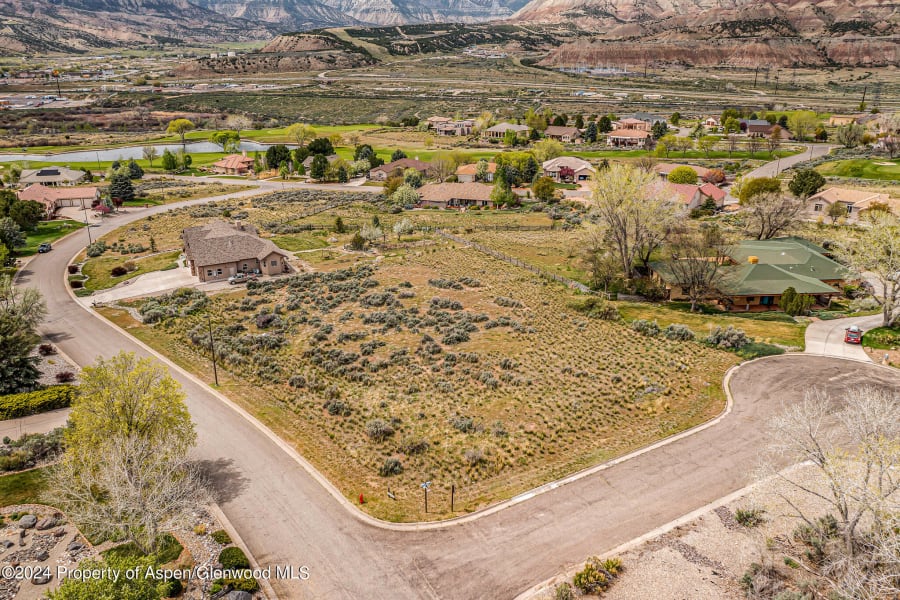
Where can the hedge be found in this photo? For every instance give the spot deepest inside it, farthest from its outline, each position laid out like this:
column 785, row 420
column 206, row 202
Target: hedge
column 14, row 406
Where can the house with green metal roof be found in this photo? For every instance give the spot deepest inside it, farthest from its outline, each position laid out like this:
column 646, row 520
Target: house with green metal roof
column 758, row 272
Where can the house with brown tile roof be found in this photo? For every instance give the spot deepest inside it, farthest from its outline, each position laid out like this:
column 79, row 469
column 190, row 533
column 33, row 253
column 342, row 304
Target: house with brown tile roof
column 627, row 138
column 566, row 135
column 233, row 164
column 384, row 171
column 455, row 195
column 466, row 173
column 54, row 198
column 855, row 201
column 218, row 250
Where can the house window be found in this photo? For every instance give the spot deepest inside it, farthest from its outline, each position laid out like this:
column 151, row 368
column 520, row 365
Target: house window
column 209, row 272
column 218, row 272
column 245, row 266
column 767, row 300
column 849, row 209
column 817, row 208
column 274, row 263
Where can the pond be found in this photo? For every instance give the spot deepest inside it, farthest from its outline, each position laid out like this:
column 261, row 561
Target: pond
column 127, row 152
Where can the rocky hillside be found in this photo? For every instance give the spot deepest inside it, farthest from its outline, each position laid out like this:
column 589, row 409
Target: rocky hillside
column 75, row 26
column 724, row 32
column 286, row 15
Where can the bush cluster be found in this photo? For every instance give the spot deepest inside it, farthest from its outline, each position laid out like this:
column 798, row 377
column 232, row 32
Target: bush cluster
column 14, row 406
column 30, row 450
column 645, row 327
column 391, row 466
column 728, row 338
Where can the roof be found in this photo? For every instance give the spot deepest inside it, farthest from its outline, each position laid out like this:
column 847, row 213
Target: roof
column 572, row 162
column 234, row 161
column 713, row 191
column 41, row 193
column 631, row 121
column 51, row 175
column 307, row 162
column 404, row 163
column 504, row 127
column 752, row 279
column 666, row 168
column 471, row 168
column 794, row 255
column 437, row 119
column 628, row 133
column 756, row 122
column 858, row 198
column 684, row 191
column 562, row 131
column 219, row 242
column 647, row 117
column 445, row 192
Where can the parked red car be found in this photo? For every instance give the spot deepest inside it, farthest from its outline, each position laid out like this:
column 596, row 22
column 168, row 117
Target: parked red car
column 853, row 335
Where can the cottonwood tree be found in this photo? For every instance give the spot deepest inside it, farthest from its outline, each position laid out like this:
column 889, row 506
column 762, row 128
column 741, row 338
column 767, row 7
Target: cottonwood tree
column 850, row 135
column 546, row 149
column 770, row 214
column 405, row 195
column 126, row 468
column 238, row 123
column 180, row 127
column 696, row 265
column 21, row 310
column 854, row 448
column 634, row 211
column 301, row 133
column 229, row 140
column 706, row 143
column 876, row 252
column 801, row 123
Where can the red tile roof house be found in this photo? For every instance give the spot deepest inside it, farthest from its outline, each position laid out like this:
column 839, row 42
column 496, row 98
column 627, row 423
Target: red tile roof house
column 628, row 138
column 566, row 135
column 54, row 198
column 455, row 195
column 466, row 173
column 694, row 196
column 233, row 164
column 384, row 171
column 218, row 250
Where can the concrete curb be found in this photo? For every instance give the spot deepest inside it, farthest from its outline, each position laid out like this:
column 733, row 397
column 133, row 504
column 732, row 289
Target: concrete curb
column 238, row 541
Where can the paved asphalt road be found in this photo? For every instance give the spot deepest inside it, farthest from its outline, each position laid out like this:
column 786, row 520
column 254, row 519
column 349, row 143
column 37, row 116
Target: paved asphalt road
column 771, row 169
column 286, row 517
column 827, row 337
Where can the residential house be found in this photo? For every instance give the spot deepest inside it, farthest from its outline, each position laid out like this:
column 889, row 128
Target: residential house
column 840, row 120
column 648, row 118
column 627, row 138
column 384, row 171
column 499, row 131
column 757, row 272
column 693, row 196
column 455, row 195
column 466, row 173
column 568, row 169
column 234, row 164
column 54, row 198
column 711, row 123
column 218, row 250
column 432, row 121
column 665, row 168
column 634, row 124
column 51, row 176
column 855, row 201
column 756, row 127
column 307, row 162
column 566, row 135
column 454, row 128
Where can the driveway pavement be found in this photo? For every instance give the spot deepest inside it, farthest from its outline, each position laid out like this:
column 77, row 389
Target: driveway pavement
column 773, row 168
column 143, row 285
column 827, row 337
column 41, row 423
column 287, row 517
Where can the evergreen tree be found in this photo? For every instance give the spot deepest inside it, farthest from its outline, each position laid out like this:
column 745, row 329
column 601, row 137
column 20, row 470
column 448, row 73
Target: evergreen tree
column 169, row 163
column 659, row 129
column 579, row 122
column 20, row 312
column 342, row 174
column 502, row 192
column 398, row 155
column 604, row 124
column 134, row 170
column 120, row 188
column 318, row 167
column 321, row 146
column 590, row 134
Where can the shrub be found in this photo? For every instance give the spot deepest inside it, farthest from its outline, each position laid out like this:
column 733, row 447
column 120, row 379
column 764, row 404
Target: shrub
column 391, row 466
column 590, row 580
column 171, row 588
column 46, row 349
column 221, row 537
column 73, row 269
column 130, row 266
column 337, row 408
column 13, row 406
column 411, row 447
column 563, row 591
column 761, row 581
column 118, row 271
column 233, row 557
column 645, row 327
column 679, row 332
column 749, row 517
column 241, row 584
column 597, row 308
column 76, row 285
column 474, row 456
column 96, row 249
column 463, row 424
column 507, row 302
column 728, row 338
column 65, row 377
column 379, row 430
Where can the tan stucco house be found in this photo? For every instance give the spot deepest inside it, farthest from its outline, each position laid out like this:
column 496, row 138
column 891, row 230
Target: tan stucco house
column 218, row 250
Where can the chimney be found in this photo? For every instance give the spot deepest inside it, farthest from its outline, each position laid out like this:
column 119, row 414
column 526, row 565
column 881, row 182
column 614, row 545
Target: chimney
column 244, row 154
column 753, row 260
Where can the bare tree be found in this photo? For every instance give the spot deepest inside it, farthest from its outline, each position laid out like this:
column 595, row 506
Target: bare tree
column 733, row 142
column 603, row 265
column 770, row 214
column 695, row 264
column 876, row 251
column 238, row 123
column 150, row 154
column 773, row 141
column 753, row 145
column 891, row 145
column 855, row 454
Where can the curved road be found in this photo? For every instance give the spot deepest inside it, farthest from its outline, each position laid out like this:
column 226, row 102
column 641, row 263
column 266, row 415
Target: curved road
column 287, row 518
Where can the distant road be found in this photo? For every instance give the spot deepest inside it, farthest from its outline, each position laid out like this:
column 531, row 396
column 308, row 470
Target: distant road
column 773, row 168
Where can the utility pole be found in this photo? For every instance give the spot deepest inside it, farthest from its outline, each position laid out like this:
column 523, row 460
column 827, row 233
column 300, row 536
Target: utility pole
column 452, row 495
column 862, row 104
column 755, row 76
column 212, row 347
column 86, row 224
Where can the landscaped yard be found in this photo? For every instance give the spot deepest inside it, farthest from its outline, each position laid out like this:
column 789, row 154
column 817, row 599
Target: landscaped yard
column 22, row 488
column 875, row 168
column 98, row 270
column 882, row 338
column 438, row 363
column 47, row 231
column 296, row 242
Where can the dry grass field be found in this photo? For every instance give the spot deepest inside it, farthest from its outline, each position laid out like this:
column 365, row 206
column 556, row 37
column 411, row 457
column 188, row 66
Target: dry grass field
column 437, row 363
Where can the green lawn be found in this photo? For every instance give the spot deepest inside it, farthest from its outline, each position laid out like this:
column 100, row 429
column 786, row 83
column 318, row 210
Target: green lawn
column 98, row 269
column 882, row 338
column 22, row 488
column 47, row 231
column 879, row 168
column 296, row 242
column 773, row 332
